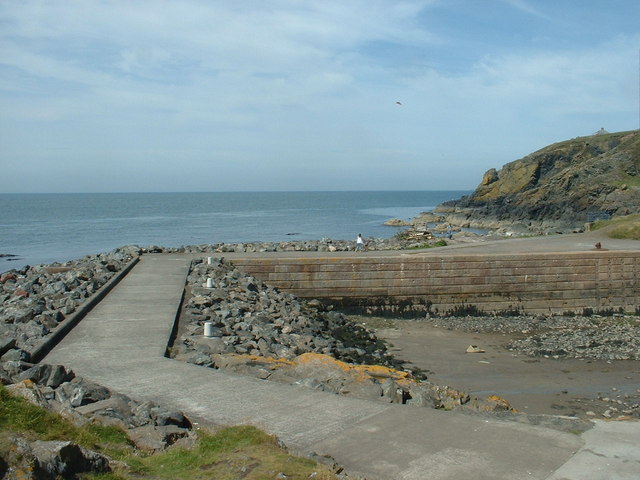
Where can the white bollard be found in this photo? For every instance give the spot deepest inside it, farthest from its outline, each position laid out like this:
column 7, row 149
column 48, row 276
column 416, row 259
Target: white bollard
column 210, row 260
column 209, row 282
column 208, row 329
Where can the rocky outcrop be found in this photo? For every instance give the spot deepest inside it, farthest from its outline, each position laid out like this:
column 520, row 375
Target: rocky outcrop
column 396, row 222
column 557, row 188
column 49, row 460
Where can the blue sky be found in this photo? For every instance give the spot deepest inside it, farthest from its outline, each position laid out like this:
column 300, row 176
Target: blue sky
column 100, row 96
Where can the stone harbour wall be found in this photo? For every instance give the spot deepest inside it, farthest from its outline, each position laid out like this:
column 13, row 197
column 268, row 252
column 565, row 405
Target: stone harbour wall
column 414, row 283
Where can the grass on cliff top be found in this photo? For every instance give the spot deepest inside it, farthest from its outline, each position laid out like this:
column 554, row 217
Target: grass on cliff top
column 235, row 452
column 627, row 227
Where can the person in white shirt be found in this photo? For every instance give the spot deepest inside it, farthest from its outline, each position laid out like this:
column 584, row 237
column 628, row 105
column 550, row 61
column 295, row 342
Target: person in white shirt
column 359, row 243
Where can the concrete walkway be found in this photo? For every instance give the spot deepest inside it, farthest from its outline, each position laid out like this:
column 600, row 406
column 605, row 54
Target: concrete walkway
column 120, row 344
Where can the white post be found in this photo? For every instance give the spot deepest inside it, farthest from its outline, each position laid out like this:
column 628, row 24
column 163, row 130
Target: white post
column 210, row 260
column 208, row 329
column 209, row 282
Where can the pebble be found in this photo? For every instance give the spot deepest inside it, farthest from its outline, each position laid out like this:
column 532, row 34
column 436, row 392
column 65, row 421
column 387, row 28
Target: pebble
column 552, row 336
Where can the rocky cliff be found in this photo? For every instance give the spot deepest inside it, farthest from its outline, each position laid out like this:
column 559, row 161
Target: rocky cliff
column 557, row 188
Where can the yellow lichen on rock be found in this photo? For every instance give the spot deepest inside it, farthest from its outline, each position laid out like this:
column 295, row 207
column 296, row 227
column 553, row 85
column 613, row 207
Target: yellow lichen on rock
column 360, row 373
column 378, row 372
column 495, row 403
column 512, row 178
column 230, row 360
column 306, row 361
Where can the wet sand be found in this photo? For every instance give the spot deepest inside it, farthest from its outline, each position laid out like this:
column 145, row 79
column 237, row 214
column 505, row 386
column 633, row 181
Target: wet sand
column 583, row 388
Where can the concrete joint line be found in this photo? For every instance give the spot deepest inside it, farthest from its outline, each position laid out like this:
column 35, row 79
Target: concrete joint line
column 47, row 343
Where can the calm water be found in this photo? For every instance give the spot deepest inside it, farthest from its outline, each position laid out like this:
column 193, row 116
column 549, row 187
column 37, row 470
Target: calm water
column 43, row 228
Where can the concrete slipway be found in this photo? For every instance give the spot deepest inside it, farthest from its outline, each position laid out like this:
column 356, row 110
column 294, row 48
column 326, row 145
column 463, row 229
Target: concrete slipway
column 121, row 344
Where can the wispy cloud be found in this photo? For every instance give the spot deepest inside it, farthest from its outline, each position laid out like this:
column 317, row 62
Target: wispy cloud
column 526, row 7
column 306, row 86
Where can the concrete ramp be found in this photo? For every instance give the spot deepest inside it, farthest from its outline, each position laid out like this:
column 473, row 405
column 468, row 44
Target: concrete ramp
column 120, row 344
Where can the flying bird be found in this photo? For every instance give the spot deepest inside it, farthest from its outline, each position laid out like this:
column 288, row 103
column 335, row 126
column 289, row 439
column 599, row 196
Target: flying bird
column 398, row 103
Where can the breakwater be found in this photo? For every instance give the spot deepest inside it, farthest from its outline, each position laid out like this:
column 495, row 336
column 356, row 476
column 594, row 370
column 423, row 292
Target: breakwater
column 415, row 283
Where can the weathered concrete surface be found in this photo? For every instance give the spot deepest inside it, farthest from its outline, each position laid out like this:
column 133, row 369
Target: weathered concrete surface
column 72, row 320
column 611, row 452
column 121, row 342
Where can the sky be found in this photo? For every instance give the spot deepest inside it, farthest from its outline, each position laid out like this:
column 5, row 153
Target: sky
column 281, row 95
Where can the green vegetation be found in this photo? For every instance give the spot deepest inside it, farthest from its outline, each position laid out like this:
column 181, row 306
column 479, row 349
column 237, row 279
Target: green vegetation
column 628, row 180
column 235, row 452
column 439, row 243
column 627, row 227
column 402, row 235
column 19, row 416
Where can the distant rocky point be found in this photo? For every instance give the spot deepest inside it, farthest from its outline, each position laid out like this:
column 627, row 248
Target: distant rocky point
column 559, row 188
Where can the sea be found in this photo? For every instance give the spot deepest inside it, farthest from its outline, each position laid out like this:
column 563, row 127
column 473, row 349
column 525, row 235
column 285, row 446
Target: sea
column 46, row 228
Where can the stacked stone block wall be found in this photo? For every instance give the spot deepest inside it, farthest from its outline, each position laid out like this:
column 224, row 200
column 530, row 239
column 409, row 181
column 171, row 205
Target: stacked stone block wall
column 405, row 283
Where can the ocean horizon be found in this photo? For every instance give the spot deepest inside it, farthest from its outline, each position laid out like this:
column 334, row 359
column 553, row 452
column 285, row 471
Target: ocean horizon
column 42, row 228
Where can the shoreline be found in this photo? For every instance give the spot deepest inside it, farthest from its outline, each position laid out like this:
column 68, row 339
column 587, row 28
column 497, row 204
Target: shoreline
column 525, row 326
column 428, row 229
column 17, row 262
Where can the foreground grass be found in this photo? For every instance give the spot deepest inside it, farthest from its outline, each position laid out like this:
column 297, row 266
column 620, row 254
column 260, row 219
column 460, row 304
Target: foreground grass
column 19, row 416
column 627, row 227
column 236, row 452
